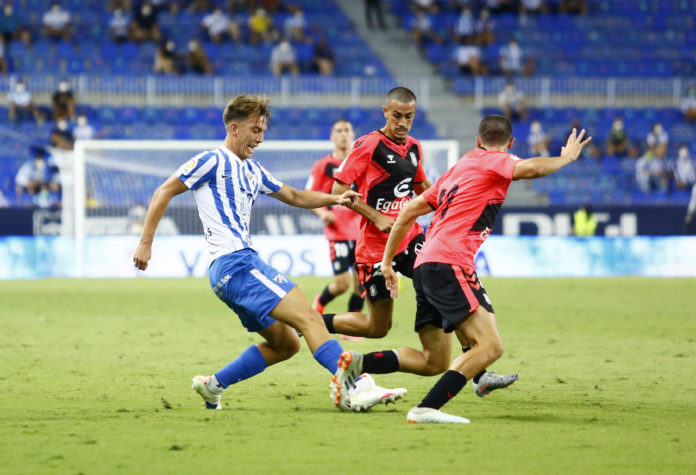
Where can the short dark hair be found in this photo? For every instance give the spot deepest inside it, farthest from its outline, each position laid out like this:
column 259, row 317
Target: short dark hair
column 400, row 94
column 339, row 120
column 244, row 106
column 495, row 130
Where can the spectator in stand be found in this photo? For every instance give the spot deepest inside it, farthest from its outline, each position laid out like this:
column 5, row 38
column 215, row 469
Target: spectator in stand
column 83, row 131
column 573, row 7
column 512, row 103
column 113, row 5
column 468, row 59
column 165, row 58
column 294, row 26
column 63, row 102
column 513, row 60
column 284, row 59
column 3, row 61
column 144, row 25
column 538, row 140
column 56, row 23
column 219, row 26
column 422, row 29
column 617, row 141
column 118, row 26
column 533, row 7
column 21, row 104
column 484, row 29
column 33, row 174
column 688, row 105
column 501, row 6
column 45, row 198
column 196, row 60
column 684, row 169
column 658, row 140
column 374, row 7
column 324, row 59
column 425, row 6
column 651, row 173
column 11, row 26
column 261, row 26
column 61, row 137
column 463, row 31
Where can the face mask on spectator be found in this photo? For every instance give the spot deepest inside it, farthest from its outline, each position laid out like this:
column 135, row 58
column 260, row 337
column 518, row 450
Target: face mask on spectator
column 82, row 121
column 146, row 10
column 20, row 87
column 535, row 128
column 62, row 125
column 8, row 10
column 63, row 86
column 683, row 153
column 658, row 129
column 618, row 125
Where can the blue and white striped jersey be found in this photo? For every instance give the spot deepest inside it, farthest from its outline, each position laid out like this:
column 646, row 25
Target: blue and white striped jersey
column 225, row 188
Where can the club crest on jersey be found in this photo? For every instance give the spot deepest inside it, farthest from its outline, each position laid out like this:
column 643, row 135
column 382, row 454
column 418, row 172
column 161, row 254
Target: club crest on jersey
column 414, row 159
column 252, row 180
column 190, row 165
column 280, row 279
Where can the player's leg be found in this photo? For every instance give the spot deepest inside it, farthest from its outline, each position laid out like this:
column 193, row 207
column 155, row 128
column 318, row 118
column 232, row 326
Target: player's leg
column 479, row 330
column 356, row 301
column 339, row 284
column 375, row 324
column 342, row 259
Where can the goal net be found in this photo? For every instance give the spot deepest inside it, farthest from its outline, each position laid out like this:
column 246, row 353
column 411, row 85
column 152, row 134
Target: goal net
column 114, row 181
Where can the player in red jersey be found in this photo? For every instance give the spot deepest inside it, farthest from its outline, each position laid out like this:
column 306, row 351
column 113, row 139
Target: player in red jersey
column 466, row 200
column 341, row 225
column 386, row 167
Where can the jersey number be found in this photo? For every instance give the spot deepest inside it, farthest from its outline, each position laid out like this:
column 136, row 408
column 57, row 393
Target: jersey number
column 448, row 196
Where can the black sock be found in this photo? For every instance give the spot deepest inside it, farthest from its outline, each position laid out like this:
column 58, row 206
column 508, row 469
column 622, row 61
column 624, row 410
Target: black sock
column 381, row 362
column 355, row 304
column 326, row 296
column 476, row 378
column 328, row 321
column 445, row 389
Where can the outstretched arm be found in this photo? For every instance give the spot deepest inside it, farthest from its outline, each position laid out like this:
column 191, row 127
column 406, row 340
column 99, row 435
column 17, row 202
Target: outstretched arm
column 541, row 166
column 160, row 200
column 314, row 199
column 407, row 217
column 384, row 223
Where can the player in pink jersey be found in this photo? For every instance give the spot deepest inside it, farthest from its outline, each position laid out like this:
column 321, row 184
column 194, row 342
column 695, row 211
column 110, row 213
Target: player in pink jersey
column 341, row 225
column 466, row 200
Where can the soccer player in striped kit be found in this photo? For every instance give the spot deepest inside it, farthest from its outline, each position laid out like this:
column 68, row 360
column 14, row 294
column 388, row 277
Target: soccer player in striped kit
column 225, row 183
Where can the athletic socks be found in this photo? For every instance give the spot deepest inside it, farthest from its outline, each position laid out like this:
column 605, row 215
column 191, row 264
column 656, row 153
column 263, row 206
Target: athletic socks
column 483, row 371
column 248, row 364
column 355, row 303
column 381, row 362
column 445, row 389
column 326, row 296
column 328, row 355
column 328, row 321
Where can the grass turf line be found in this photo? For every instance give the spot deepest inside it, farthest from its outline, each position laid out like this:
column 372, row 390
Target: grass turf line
column 96, row 379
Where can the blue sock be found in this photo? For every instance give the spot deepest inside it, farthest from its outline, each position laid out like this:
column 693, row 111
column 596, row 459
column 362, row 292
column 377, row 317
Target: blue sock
column 328, row 355
column 248, row 364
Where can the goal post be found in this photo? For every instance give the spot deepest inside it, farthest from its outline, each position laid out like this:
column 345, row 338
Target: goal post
column 114, row 181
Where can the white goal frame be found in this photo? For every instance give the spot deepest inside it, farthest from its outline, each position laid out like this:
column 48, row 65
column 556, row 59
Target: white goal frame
column 195, row 146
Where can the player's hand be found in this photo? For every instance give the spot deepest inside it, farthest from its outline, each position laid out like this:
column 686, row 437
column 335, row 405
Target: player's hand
column 327, row 217
column 574, row 145
column 391, row 280
column 348, row 198
column 141, row 256
column 384, row 223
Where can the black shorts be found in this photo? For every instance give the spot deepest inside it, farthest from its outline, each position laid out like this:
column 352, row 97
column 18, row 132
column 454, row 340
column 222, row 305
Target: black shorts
column 446, row 295
column 342, row 256
column 371, row 275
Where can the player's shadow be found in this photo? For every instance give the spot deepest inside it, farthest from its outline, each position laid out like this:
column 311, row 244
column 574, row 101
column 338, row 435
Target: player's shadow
column 528, row 418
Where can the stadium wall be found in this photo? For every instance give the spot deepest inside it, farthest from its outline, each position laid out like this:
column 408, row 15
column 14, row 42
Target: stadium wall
column 503, row 256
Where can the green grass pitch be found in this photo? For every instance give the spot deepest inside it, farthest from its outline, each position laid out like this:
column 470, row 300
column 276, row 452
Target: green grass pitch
column 95, row 378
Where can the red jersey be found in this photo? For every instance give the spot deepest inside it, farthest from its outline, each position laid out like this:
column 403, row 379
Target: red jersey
column 385, row 173
column 466, row 200
column 346, row 226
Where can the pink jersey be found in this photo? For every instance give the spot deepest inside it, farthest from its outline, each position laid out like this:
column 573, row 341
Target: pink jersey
column 466, row 200
column 346, row 226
